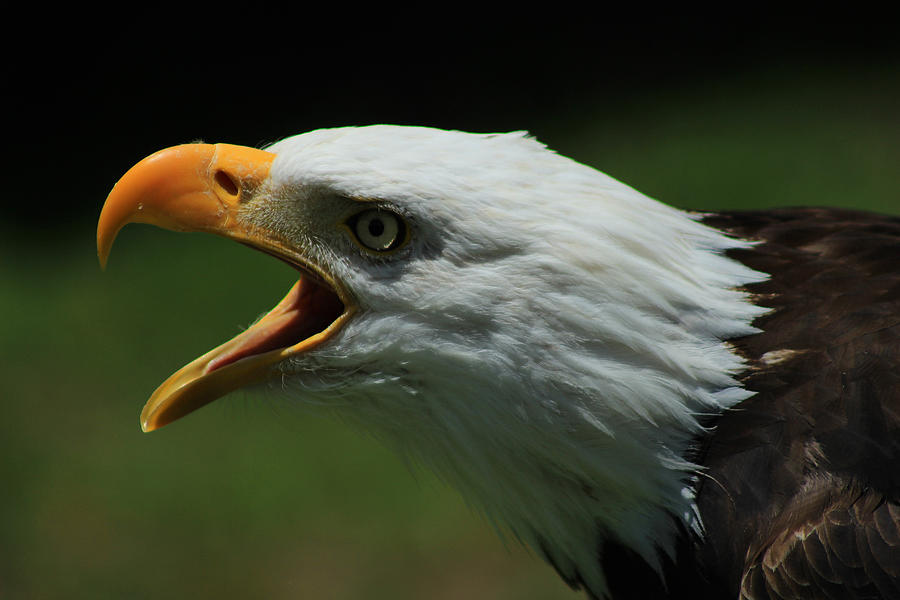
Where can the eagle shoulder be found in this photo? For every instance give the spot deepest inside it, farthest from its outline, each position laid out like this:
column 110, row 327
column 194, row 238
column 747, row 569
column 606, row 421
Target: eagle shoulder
column 802, row 481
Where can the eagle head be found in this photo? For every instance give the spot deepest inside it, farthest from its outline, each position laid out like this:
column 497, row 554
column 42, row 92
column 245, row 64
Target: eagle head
column 540, row 335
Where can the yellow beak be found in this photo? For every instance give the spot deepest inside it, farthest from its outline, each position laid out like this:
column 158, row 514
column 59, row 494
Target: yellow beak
column 193, row 187
column 201, row 187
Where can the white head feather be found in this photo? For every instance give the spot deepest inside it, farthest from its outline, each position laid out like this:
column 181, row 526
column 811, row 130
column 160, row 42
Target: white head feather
column 545, row 342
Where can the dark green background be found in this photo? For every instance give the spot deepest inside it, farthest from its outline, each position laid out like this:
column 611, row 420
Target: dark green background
column 253, row 497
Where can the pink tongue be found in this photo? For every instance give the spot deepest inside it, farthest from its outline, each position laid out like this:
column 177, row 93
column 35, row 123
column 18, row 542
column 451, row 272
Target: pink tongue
column 306, row 310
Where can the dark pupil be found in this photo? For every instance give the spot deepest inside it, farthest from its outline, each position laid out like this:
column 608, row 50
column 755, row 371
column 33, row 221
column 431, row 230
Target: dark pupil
column 376, row 227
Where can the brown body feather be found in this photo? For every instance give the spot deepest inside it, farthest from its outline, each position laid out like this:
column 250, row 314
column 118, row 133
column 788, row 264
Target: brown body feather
column 800, row 497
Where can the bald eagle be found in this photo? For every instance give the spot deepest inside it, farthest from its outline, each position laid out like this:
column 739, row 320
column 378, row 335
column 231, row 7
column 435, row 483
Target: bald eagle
column 661, row 404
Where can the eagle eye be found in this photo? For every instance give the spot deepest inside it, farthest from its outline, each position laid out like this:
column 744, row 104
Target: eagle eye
column 377, row 229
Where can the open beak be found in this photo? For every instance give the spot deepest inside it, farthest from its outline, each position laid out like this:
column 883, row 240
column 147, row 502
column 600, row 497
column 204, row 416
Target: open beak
column 202, row 187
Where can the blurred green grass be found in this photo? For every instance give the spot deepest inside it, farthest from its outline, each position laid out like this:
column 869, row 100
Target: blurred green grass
column 253, row 497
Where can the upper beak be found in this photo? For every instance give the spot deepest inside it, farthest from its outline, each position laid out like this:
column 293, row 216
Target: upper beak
column 193, row 187
column 201, row 187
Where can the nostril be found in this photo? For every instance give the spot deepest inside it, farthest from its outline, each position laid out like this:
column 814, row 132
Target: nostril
column 227, row 183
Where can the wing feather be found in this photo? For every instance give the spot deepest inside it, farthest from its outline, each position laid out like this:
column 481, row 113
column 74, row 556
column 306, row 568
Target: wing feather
column 843, row 556
column 807, row 501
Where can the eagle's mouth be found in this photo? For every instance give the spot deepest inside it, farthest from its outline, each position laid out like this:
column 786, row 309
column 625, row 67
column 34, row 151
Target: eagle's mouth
column 203, row 187
column 308, row 309
column 302, row 319
column 314, row 309
column 311, row 313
